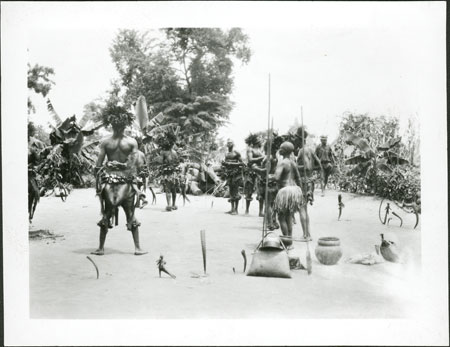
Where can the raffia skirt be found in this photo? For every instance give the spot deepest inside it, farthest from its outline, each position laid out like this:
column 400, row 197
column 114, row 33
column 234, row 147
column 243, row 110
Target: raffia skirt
column 289, row 200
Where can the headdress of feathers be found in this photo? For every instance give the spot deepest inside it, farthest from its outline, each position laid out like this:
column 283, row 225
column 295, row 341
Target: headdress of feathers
column 299, row 132
column 253, row 140
column 276, row 142
column 166, row 140
column 117, row 116
column 296, row 138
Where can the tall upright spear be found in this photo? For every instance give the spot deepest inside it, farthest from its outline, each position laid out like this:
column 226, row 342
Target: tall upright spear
column 269, row 148
column 308, row 253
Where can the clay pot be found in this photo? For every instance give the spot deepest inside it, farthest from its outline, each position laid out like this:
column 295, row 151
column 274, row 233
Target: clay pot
column 328, row 250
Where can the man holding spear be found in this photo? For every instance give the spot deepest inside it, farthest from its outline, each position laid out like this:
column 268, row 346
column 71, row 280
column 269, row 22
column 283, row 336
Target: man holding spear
column 270, row 162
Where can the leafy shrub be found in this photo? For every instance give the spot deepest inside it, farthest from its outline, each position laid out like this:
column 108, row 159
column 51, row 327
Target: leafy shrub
column 403, row 184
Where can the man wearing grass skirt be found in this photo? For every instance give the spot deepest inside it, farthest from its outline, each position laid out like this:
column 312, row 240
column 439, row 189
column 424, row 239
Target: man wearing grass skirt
column 290, row 197
column 232, row 168
column 169, row 170
column 254, row 156
column 327, row 160
column 271, row 184
column 307, row 161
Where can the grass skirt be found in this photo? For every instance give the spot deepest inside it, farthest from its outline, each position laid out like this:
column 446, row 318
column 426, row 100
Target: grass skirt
column 288, row 200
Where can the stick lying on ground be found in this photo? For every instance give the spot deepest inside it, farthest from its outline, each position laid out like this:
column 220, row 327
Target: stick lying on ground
column 245, row 259
column 308, row 259
column 160, row 262
column 96, row 268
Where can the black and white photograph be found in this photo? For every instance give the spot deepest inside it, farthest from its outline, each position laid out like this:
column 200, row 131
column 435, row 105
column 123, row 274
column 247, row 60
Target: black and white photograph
column 224, row 173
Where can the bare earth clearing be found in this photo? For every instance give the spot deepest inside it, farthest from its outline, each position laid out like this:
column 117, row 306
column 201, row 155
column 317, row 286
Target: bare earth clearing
column 63, row 282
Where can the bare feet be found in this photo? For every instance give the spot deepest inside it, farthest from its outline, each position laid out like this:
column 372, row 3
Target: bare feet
column 174, row 207
column 98, row 252
column 139, row 252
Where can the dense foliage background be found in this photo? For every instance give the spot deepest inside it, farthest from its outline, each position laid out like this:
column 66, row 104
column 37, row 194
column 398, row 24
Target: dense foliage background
column 381, row 163
column 186, row 75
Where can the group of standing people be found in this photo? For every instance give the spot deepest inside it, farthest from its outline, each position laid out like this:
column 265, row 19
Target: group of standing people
column 281, row 174
column 289, row 183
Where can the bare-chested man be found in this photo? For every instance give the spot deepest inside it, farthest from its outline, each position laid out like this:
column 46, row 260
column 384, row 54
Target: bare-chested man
column 272, row 186
column 290, row 197
column 306, row 168
column 233, row 171
column 170, row 170
column 143, row 173
column 254, row 156
column 327, row 159
column 34, row 148
column 117, row 184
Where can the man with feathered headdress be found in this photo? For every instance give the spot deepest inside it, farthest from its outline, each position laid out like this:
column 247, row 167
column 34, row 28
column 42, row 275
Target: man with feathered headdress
column 117, row 179
column 169, row 170
column 254, row 156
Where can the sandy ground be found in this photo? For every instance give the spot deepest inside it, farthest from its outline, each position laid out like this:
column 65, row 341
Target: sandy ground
column 63, row 282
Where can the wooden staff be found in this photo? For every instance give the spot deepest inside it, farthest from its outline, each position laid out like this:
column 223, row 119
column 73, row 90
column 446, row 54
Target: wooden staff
column 269, row 148
column 203, row 240
column 308, row 253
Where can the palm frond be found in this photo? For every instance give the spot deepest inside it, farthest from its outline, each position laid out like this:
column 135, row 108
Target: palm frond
column 157, row 120
column 93, row 127
column 389, row 144
column 83, row 121
column 53, row 113
column 359, row 142
column 355, row 160
column 161, row 128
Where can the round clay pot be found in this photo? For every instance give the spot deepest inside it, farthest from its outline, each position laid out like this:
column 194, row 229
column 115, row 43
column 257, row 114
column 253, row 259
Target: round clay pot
column 328, row 250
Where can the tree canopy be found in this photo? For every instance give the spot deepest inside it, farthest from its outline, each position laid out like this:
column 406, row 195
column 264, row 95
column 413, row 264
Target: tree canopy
column 39, row 81
column 185, row 73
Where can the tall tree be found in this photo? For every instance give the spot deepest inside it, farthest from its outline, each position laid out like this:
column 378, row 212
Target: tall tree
column 185, row 73
column 39, row 81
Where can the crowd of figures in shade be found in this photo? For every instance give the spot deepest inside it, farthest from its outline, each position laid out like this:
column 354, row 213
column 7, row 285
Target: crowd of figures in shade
column 293, row 170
